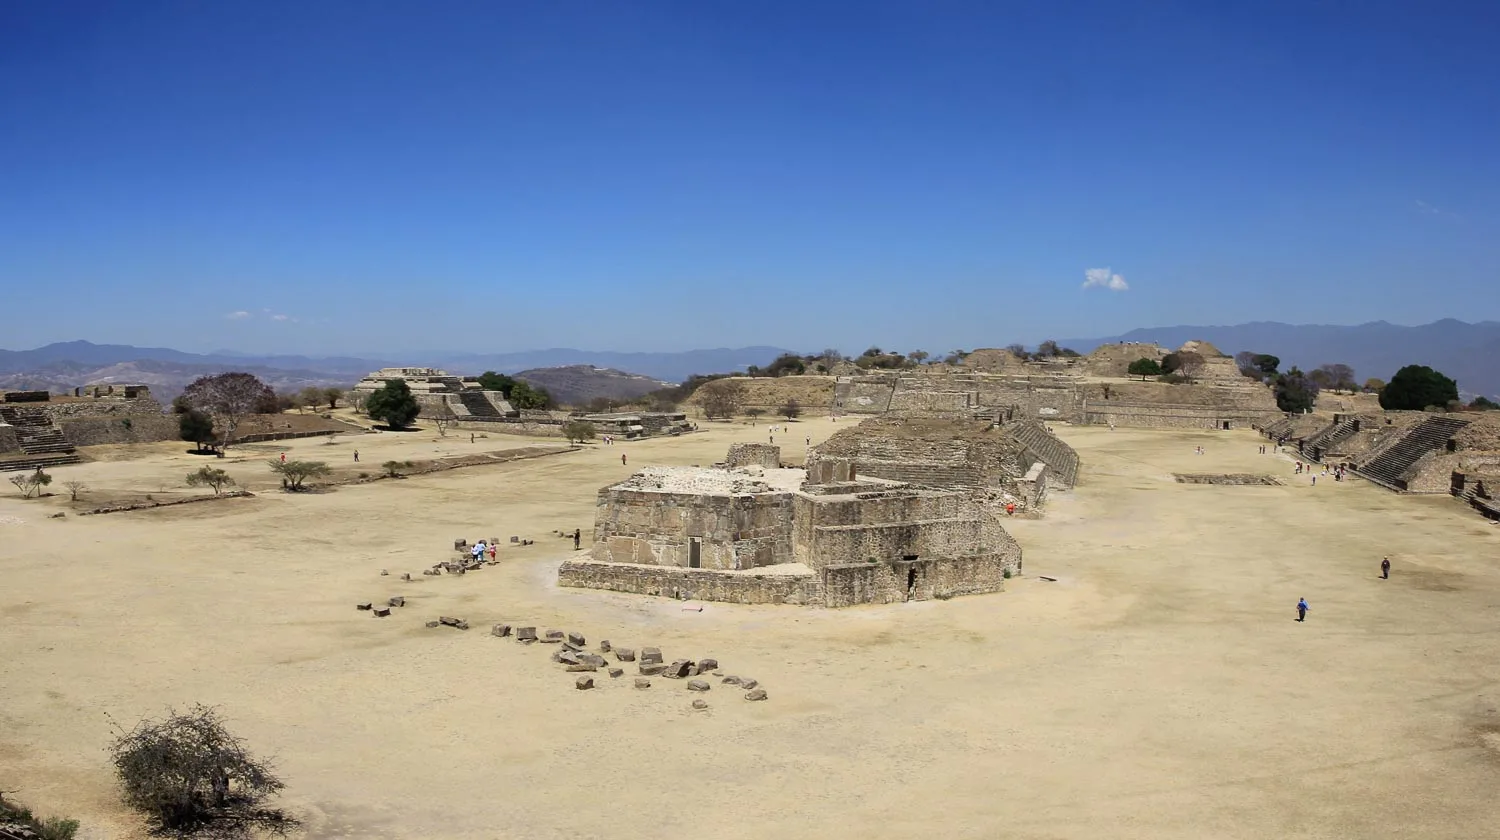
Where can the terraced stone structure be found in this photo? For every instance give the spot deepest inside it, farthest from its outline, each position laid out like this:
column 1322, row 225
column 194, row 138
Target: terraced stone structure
column 1018, row 460
column 779, row 535
column 630, row 425
column 1090, row 390
column 39, row 429
column 440, row 393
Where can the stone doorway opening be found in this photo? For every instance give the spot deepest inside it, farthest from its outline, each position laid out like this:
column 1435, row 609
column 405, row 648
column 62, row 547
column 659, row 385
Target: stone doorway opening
column 695, row 553
column 911, row 576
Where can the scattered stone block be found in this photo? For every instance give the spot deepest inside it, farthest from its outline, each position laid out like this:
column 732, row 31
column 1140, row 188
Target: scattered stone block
column 642, row 683
column 593, row 659
column 731, row 680
column 381, row 612
column 700, row 704
column 449, row 620
column 697, row 685
column 566, row 657
column 718, row 673
column 515, row 539
column 576, row 639
column 624, row 654
column 406, row 575
column 651, row 654
column 616, row 672
column 363, row 605
column 383, row 572
column 501, row 630
column 651, row 669
column 678, row 669
column 553, row 637
column 572, row 647
column 749, row 684
column 581, row 667
column 525, row 634
column 460, row 545
column 757, row 694
column 396, row 601
column 584, row 683
column 692, row 671
column 604, row 646
column 462, row 625
column 434, row 623
column 706, row 665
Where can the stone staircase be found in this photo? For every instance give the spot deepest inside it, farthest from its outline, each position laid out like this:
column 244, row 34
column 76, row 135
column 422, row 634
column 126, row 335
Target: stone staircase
column 1314, row 447
column 37, row 436
column 1061, row 460
column 924, row 474
column 1275, row 430
column 1389, row 466
column 479, row 407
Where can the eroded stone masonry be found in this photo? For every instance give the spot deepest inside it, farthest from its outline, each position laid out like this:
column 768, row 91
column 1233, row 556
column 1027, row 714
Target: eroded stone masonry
column 751, row 531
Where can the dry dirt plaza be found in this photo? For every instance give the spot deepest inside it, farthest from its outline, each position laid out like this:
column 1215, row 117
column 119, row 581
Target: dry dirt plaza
column 1158, row 688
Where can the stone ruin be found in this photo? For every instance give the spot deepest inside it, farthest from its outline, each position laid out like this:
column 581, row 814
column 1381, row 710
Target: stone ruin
column 757, row 534
column 41, row 429
column 1227, row 479
column 1093, row 390
column 1015, row 462
column 439, row 393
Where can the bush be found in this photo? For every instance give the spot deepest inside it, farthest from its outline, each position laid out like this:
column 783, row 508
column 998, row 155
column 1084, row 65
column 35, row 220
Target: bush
column 393, row 468
column 32, row 483
column 74, row 488
column 210, row 477
column 295, row 473
column 191, row 776
column 52, row 828
column 394, row 404
column 1415, row 387
column 578, row 430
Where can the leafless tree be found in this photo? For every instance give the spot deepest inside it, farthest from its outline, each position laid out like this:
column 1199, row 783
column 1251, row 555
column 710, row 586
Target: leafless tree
column 228, row 398
column 74, row 488
column 721, row 398
column 1190, row 364
column 443, row 418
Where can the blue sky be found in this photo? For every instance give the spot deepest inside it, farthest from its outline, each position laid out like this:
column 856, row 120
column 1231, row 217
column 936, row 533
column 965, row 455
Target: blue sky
column 374, row 176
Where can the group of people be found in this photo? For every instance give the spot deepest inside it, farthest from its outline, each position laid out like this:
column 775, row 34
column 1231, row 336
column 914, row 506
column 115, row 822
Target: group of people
column 1385, row 574
column 479, row 551
column 1337, row 471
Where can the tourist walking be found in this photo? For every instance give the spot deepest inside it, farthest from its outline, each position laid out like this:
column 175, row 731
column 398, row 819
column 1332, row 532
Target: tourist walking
column 1302, row 609
column 493, row 548
column 1385, row 569
column 356, row 456
column 622, row 459
column 283, row 457
column 577, row 537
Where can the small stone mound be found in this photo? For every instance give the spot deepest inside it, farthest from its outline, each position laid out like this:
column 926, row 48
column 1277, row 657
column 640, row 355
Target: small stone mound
column 1227, row 479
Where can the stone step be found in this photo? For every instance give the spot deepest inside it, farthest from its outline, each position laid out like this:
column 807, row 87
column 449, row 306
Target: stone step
column 18, row 464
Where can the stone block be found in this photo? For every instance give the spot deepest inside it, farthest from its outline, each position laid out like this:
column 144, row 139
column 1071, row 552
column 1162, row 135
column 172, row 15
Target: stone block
column 651, row 654
column 434, row 623
column 651, row 669
column 553, row 637
column 383, row 572
column 678, row 669
column 501, row 630
column 706, row 665
column 381, row 612
column 566, row 657
column 616, row 672
column 449, row 620
column 461, row 625
column 697, row 685
column 604, row 646
column 642, row 683
column 525, row 634
column 581, row 667
column 584, row 683
column 576, row 639
column 593, row 659
column 572, row 647
column 757, row 694
column 406, row 575
column 731, row 680
column 624, row 654
column 749, row 684
column 363, row 605
column 700, row 704
column 396, row 601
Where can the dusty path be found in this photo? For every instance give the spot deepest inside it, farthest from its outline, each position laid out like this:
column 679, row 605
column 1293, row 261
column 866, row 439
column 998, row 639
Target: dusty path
column 1158, row 689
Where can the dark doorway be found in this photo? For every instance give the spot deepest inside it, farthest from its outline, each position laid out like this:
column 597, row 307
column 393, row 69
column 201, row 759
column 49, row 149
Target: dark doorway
column 695, row 551
column 911, row 576
column 1226, row 425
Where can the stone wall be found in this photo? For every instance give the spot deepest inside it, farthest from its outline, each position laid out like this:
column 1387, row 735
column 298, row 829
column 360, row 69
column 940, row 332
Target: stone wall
column 1167, row 416
column 135, row 428
column 693, row 584
column 1433, row 472
column 8, row 440
column 658, row 528
column 1060, row 458
column 758, row 454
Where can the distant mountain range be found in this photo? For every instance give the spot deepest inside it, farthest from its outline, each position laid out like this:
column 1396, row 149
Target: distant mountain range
column 1469, row 353
column 67, row 365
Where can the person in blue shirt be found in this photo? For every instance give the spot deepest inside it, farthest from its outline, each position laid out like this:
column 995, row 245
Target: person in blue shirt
column 1302, row 609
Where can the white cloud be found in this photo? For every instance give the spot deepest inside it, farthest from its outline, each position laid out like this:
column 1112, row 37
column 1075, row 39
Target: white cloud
column 1101, row 278
column 238, row 316
column 278, row 318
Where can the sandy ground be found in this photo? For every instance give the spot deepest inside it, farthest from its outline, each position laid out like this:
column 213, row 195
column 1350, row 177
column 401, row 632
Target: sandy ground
column 1159, row 688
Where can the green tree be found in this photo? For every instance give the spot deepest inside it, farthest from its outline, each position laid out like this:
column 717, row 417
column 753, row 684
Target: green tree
column 210, row 477
column 394, row 404
column 492, row 381
column 1143, row 368
column 1170, row 363
column 196, row 427
column 529, row 397
column 1416, row 387
column 578, row 430
column 1484, row 404
column 31, row 484
column 192, row 777
column 787, row 364
column 1295, row 392
column 333, row 395
column 1047, row 349
column 295, row 473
